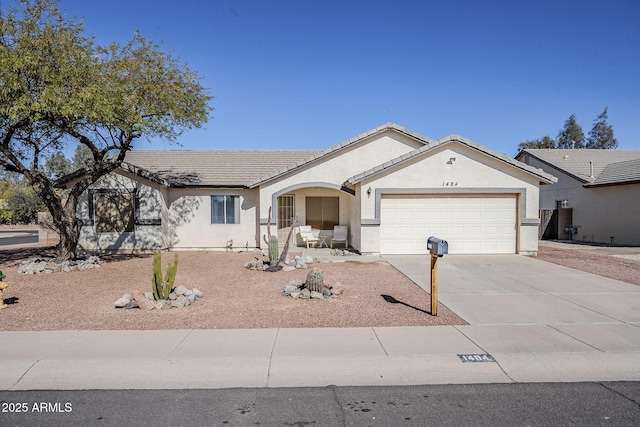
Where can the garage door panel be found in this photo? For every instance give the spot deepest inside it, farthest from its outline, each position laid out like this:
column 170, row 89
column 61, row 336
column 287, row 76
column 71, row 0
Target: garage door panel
column 471, row 224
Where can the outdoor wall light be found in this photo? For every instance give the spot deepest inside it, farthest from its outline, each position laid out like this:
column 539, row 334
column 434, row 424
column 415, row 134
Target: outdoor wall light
column 451, row 160
column 369, row 190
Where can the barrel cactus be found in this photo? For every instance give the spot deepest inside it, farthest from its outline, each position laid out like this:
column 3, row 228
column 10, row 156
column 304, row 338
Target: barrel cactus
column 273, row 250
column 315, row 280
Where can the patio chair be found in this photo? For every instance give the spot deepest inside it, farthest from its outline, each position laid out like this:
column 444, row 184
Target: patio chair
column 307, row 235
column 340, row 233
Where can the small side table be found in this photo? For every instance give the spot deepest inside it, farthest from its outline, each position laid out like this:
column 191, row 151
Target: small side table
column 325, row 235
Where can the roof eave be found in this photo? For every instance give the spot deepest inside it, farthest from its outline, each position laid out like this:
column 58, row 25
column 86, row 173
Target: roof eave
column 544, row 177
column 610, row 183
column 559, row 169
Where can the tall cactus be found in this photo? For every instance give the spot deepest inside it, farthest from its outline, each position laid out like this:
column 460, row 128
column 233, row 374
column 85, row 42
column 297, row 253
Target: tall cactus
column 315, row 280
column 273, row 250
column 162, row 287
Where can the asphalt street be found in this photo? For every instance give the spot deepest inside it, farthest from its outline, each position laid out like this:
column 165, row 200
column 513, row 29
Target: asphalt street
column 18, row 237
column 539, row 404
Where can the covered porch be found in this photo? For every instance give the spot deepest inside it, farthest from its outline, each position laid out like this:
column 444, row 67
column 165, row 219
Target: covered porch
column 319, row 209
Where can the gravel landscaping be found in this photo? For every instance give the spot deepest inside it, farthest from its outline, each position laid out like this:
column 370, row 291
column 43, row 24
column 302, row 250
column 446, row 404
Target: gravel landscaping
column 373, row 294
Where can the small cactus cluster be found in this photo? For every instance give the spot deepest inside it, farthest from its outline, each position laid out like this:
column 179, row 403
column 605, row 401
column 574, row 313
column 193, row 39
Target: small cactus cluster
column 313, row 288
column 162, row 286
column 273, row 250
column 315, row 280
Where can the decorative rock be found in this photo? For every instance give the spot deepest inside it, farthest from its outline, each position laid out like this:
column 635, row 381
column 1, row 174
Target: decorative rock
column 132, row 304
column 295, row 294
column 300, row 262
column 316, row 295
column 122, row 302
column 188, row 292
column 191, row 298
column 296, row 282
column 326, row 292
column 288, row 268
column 309, row 259
column 179, row 302
column 337, row 291
column 258, row 252
column 143, row 302
column 150, row 296
column 288, row 289
column 173, row 296
column 198, row 292
column 38, row 265
column 305, row 294
column 180, row 290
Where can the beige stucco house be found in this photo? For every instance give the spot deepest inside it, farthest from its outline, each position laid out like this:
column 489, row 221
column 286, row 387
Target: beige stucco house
column 391, row 187
column 597, row 196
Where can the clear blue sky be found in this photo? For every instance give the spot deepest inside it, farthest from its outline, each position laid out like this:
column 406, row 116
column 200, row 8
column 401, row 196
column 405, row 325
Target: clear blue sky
column 301, row 74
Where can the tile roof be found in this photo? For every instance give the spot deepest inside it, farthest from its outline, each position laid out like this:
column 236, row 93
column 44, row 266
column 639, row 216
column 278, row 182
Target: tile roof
column 542, row 175
column 211, row 168
column 619, row 173
column 575, row 162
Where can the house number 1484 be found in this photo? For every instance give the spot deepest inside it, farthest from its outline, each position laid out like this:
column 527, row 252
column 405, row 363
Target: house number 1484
column 449, row 183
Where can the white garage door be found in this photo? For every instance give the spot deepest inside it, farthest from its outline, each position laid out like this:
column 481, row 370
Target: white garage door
column 470, row 224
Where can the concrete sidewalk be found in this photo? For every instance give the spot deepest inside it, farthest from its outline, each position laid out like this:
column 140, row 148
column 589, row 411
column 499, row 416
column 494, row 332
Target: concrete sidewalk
column 539, row 321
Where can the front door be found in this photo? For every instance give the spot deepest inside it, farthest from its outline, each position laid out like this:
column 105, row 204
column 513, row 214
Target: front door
column 285, row 216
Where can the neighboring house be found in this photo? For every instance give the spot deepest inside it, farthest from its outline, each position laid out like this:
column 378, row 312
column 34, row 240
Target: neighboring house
column 597, row 196
column 392, row 187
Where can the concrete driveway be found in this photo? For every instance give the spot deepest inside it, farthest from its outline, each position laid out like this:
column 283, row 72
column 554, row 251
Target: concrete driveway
column 541, row 321
column 519, row 290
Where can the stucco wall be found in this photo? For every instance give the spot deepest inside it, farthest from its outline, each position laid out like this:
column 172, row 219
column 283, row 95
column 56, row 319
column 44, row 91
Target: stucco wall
column 332, row 171
column 147, row 234
column 608, row 212
column 567, row 187
column 189, row 220
column 599, row 213
column 451, row 169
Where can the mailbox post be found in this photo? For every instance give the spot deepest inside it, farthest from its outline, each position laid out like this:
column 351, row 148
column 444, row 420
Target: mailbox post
column 437, row 248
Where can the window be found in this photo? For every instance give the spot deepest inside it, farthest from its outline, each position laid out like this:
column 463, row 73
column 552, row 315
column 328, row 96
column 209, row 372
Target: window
column 113, row 212
column 225, row 209
column 323, row 212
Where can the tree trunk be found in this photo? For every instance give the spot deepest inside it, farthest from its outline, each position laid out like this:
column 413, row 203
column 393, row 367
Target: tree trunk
column 69, row 230
column 63, row 217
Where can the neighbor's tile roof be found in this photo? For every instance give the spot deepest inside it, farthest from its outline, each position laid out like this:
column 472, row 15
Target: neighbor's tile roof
column 619, row 173
column 542, row 175
column 211, row 168
column 575, row 162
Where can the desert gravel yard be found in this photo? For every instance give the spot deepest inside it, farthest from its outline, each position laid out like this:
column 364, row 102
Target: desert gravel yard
column 616, row 262
column 234, row 297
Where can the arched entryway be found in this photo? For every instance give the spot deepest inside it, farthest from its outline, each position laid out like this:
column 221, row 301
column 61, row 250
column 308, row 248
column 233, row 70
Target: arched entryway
column 318, row 205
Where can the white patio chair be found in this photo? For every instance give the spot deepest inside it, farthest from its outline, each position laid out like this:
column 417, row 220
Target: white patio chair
column 307, row 235
column 340, row 234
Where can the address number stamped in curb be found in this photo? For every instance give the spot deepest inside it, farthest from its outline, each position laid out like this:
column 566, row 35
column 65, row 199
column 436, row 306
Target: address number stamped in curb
column 484, row 357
